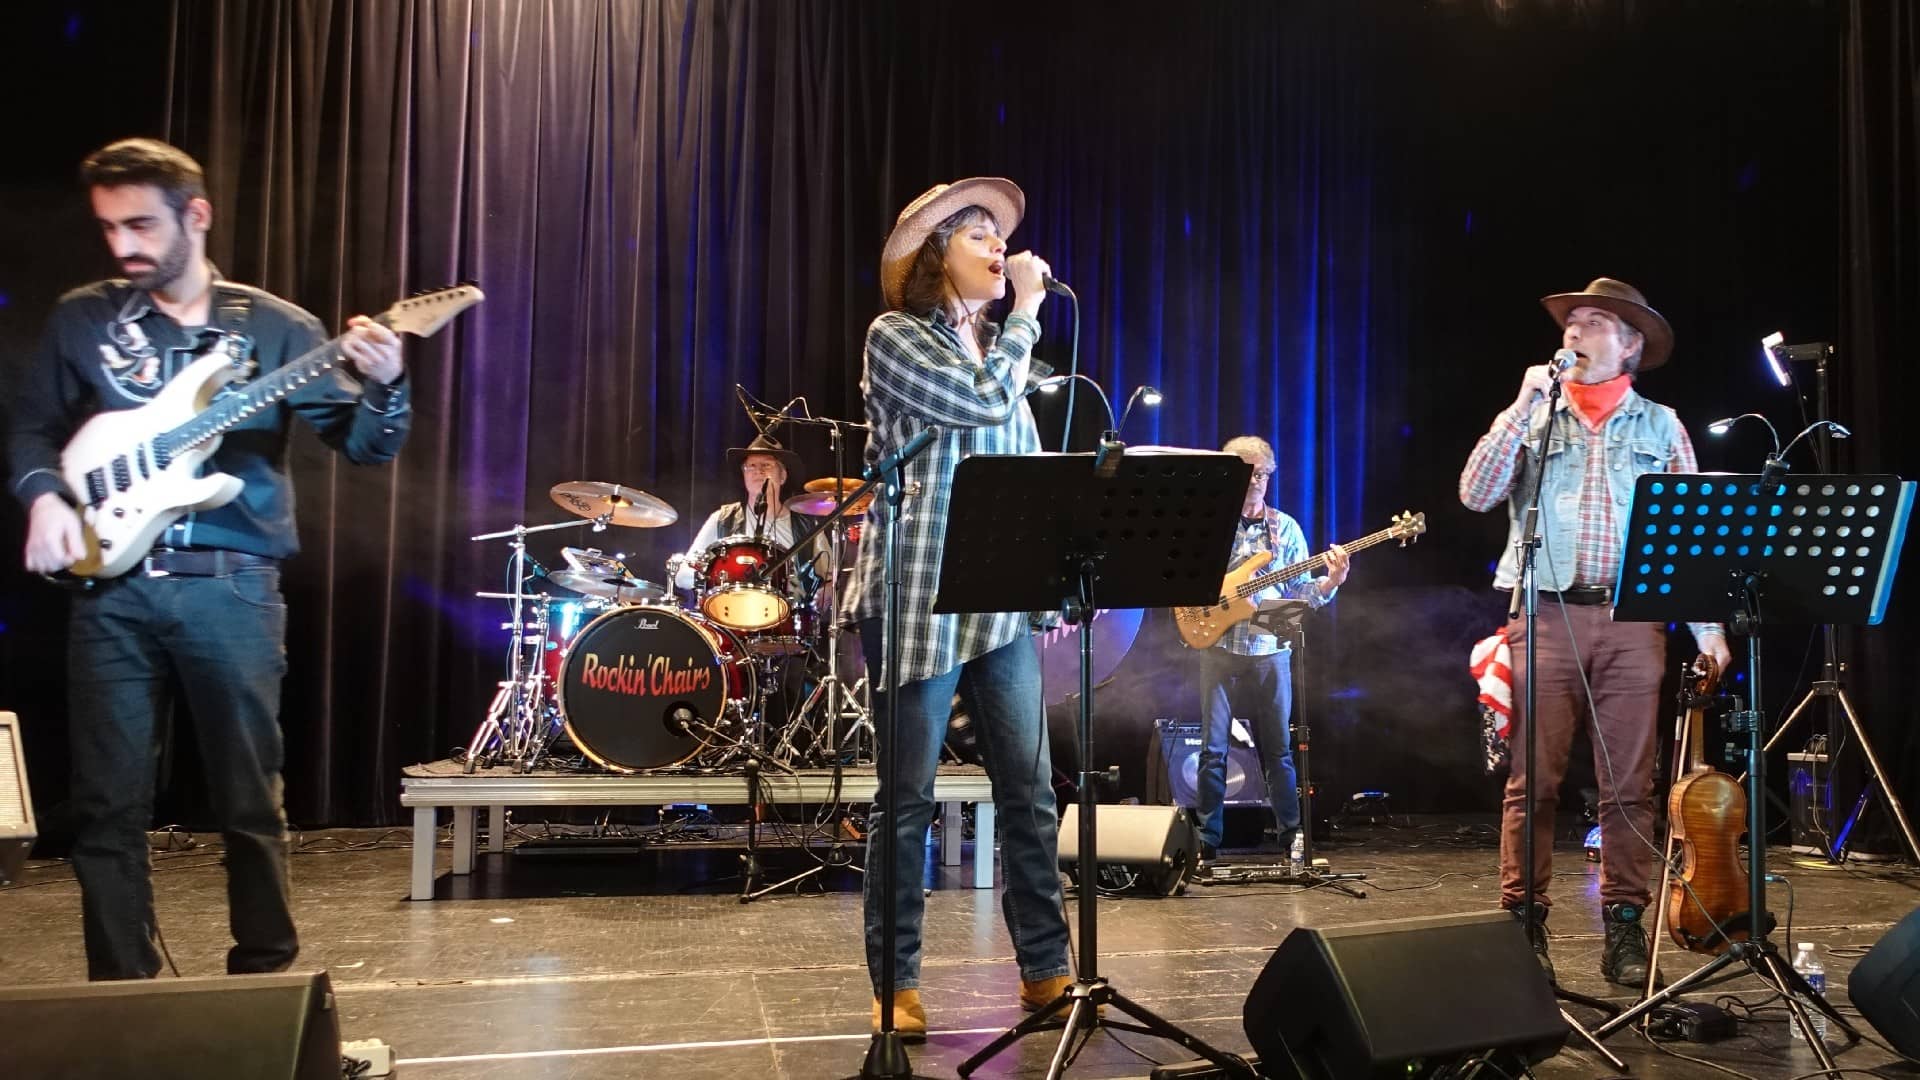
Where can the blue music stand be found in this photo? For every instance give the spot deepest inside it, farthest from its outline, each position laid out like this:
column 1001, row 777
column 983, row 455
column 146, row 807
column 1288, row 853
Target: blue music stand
column 1826, row 546
column 1801, row 550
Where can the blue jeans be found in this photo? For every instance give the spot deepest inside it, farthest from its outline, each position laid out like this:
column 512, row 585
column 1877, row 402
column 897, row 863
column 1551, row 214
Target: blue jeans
column 224, row 639
column 1002, row 692
column 1267, row 685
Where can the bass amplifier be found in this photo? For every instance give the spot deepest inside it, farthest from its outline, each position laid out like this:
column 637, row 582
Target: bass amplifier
column 1173, row 765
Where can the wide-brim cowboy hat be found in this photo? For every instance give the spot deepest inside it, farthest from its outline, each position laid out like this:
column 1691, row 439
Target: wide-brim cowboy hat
column 1001, row 198
column 770, row 446
column 1625, row 301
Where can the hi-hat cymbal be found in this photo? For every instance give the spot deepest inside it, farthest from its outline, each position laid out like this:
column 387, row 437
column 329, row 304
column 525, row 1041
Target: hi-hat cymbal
column 821, row 503
column 834, row 483
column 618, row 504
column 625, row 590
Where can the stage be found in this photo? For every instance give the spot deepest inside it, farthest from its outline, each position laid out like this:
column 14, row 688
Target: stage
column 594, row 964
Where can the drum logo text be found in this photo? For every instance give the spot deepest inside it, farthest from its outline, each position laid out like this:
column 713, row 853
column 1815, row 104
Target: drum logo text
column 654, row 677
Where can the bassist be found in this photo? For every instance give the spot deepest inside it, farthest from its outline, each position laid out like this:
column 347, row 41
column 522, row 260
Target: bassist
column 204, row 607
column 1256, row 661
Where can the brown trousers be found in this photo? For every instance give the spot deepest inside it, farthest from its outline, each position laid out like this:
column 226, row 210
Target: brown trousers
column 1624, row 663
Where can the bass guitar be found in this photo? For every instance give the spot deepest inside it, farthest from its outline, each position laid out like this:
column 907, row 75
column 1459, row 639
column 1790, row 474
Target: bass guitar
column 137, row 471
column 1200, row 627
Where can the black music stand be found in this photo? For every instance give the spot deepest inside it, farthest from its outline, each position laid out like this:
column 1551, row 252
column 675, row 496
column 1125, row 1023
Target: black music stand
column 1152, row 535
column 1815, row 549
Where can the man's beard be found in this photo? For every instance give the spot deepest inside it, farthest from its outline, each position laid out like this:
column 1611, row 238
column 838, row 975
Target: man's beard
column 173, row 263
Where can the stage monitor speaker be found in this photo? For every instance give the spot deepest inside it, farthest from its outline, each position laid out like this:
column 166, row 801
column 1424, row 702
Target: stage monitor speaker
column 1403, row 998
column 1885, row 985
column 16, row 805
column 1153, row 849
column 1173, row 766
column 263, row 1027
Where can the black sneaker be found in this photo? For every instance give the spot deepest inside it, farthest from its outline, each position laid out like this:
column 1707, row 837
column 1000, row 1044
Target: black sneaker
column 1538, row 937
column 1208, row 855
column 1624, row 961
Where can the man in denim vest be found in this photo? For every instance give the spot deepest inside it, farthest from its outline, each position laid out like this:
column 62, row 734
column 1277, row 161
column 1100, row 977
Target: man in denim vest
column 1600, row 439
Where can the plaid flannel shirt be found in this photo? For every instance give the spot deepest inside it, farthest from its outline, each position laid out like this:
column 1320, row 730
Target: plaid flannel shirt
column 919, row 374
column 1282, row 536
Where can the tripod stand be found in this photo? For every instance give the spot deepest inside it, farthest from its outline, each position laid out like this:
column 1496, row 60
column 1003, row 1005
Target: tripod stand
column 1665, row 576
column 1071, row 524
column 1829, row 687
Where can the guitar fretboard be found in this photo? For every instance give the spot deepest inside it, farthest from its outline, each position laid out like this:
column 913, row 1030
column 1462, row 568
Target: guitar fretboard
column 236, row 407
column 1307, row 566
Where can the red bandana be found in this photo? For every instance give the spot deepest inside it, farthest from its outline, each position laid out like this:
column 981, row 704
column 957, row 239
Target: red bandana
column 1594, row 402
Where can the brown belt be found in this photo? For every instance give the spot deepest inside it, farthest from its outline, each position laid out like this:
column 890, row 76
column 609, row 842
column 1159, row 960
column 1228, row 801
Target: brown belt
column 1579, row 594
column 206, row 563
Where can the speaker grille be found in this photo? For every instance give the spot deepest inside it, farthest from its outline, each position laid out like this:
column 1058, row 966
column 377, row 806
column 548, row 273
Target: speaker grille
column 13, row 781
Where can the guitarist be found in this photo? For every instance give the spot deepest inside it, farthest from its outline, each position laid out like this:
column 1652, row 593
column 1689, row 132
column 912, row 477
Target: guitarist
column 205, row 607
column 1258, row 662
column 1604, row 437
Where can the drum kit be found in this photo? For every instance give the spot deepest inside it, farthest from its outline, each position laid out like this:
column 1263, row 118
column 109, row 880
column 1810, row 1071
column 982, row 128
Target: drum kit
column 614, row 663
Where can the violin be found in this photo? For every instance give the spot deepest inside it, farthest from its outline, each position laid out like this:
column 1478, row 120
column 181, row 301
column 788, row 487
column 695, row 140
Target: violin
column 1707, row 811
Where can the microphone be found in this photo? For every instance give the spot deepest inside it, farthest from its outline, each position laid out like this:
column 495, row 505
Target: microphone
column 1055, row 287
column 1563, row 361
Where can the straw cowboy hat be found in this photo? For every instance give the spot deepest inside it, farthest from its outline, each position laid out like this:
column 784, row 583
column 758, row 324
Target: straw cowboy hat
column 1625, row 301
column 770, row 446
column 1001, row 198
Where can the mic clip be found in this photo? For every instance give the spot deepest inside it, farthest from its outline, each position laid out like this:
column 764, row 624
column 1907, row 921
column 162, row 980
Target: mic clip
column 1106, row 459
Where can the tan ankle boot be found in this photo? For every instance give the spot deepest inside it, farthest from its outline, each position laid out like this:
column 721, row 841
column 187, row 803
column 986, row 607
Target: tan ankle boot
column 909, row 1015
column 1035, row 996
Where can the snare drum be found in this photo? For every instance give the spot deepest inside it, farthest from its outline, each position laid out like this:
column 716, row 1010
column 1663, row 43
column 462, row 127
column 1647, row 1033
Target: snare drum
column 641, row 684
column 732, row 592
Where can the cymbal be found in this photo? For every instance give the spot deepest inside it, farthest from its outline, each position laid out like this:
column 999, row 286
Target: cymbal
column 620, row 505
column 832, row 483
column 821, row 503
column 625, row 590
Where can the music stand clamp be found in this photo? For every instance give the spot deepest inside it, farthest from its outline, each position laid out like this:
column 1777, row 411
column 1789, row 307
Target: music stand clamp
column 1809, row 550
column 1154, row 534
column 1287, row 620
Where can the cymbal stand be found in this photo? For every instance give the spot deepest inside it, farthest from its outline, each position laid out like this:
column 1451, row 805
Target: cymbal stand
column 841, row 703
column 512, row 731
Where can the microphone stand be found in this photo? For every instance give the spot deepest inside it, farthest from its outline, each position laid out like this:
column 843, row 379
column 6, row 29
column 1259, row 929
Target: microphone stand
column 1528, row 547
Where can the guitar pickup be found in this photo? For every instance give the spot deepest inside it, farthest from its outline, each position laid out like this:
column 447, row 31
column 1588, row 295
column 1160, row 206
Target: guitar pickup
column 122, row 474
column 96, row 487
column 140, row 459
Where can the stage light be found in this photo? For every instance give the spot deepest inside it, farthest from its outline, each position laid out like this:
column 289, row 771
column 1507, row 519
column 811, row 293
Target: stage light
column 1767, row 345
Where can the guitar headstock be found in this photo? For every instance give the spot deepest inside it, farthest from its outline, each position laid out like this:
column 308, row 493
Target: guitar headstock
column 1407, row 526
column 425, row 313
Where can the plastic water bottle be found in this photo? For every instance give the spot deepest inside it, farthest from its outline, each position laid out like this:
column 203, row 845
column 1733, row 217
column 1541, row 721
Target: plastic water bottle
column 1297, row 855
column 1807, row 963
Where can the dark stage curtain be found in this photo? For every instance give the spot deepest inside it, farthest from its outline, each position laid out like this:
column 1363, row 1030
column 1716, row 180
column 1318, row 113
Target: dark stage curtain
column 1325, row 223
column 1873, row 373
column 662, row 200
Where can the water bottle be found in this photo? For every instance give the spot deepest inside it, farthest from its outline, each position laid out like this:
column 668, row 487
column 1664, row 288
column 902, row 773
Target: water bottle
column 1807, row 963
column 1297, row 855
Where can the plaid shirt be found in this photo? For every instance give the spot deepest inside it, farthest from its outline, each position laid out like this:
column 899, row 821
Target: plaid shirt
column 1281, row 535
column 919, row 374
column 1599, row 532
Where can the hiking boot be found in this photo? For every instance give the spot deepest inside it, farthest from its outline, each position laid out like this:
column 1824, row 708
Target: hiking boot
column 1624, row 960
column 1538, row 937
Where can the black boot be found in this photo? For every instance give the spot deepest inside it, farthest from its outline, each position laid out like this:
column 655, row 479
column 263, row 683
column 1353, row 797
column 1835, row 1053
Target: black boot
column 1624, row 961
column 1539, row 935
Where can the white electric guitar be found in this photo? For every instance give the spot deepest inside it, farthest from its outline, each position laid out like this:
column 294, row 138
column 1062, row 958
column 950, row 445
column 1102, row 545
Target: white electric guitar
column 137, row 471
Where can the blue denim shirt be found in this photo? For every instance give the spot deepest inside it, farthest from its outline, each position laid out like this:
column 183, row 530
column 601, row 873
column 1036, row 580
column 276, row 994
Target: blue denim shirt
column 1640, row 437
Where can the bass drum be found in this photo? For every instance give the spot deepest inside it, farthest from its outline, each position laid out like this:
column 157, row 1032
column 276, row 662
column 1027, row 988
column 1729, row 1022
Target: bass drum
column 641, row 686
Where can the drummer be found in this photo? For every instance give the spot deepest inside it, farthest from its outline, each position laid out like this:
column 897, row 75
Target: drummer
column 765, row 467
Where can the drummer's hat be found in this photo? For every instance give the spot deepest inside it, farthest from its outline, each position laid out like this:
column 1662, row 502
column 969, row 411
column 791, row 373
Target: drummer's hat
column 770, row 446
